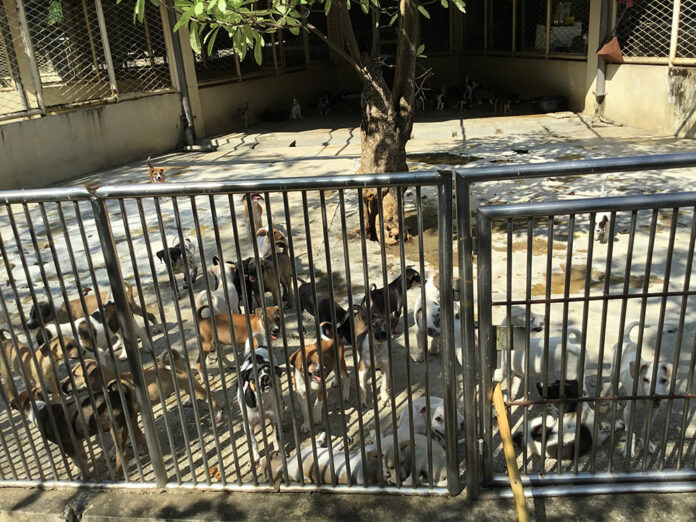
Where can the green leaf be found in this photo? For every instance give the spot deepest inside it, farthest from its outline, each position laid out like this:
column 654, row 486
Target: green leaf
column 211, row 39
column 419, row 52
column 459, row 4
column 198, row 8
column 422, row 11
column 444, row 3
column 365, row 6
column 139, row 10
column 258, row 50
column 294, row 30
column 393, row 19
column 195, row 39
column 327, row 6
column 184, row 18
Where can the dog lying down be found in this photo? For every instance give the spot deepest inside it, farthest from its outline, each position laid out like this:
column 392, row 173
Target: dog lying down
column 437, row 419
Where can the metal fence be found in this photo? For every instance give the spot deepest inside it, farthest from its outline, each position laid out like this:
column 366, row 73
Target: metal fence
column 72, row 244
column 56, row 55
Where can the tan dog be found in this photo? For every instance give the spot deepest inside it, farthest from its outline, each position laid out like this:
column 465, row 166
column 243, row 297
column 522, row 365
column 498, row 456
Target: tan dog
column 156, row 173
column 263, row 241
column 239, row 325
column 88, row 377
column 316, row 373
column 245, row 114
column 22, row 358
column 263, row 269
column 48, row 313
column 256, row 212
column 167, row 373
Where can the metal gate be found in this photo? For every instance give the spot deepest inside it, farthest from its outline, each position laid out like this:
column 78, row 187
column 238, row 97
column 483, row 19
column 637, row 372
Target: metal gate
column 134, row 251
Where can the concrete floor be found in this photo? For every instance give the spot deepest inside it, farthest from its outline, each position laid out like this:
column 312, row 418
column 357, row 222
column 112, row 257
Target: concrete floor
column 322, row 149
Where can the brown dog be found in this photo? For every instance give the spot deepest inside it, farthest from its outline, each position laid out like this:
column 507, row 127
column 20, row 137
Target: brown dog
column 167, row 373
column 256, row 211
column 22, row 358
column 48, row 313
column 263, row 270
column 239, row 325
column 156, row 173
column 317, row 373
column 87, row 377
column 264, row 241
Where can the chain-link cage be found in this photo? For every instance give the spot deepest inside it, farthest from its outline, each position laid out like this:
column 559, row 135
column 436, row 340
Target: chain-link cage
column 686, row 42
column 500, row 25
column 531, row 26
column 474, row 25
column 13, row 97
column 220, row 63
column 137, row 49
column 645, row 28
column 570, row 20
column 68, row 50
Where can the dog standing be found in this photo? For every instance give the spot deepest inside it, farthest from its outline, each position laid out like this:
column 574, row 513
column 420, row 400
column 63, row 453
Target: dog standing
column 295, row 110
column 263, row 272
column 245, row 114
column 253, row 208
column 630, row 370
column 263, row 241
column 220, row 300
column 266, row 389
column 181, row 256
column 431, row 325
column 156, row 173
column 378, row 301
column 316, row 373
column 380, row 333
column 324, row 306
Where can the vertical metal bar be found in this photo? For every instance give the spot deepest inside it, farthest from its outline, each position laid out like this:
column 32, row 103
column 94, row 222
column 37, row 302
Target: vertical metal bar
column 447, row 321
column 674, row 35
column 527, row 316
column 147, row 39
column 11, row 59
column 547, row 327
column 514, row 37
column 29, row 48
column 602, row 335
column 103, row 225
column 107, row 49
column 88, row 26
column 548, row 29
column 486, row 17
column 466, row 301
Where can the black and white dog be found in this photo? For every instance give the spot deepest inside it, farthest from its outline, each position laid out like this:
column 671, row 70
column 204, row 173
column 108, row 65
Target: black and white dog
column 180, row 256
column 378, row 300
column 266, row 390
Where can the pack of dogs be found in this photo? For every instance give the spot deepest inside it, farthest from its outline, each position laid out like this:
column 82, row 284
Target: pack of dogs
column 232, row 311
column 465, row 97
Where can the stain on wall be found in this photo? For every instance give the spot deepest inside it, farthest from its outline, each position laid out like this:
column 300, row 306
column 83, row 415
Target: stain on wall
column 682, row 94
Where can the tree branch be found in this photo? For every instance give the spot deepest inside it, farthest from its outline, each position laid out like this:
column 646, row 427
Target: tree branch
column 347, row 30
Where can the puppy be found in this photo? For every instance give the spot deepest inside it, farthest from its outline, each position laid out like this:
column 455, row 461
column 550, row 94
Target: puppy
column 253, row 208
column 419, row 413
column 88, row 377
column 403, row 467
column 97, row 325
column 220, row 300
column 239, row 325
column 266, row 389
column 263, row 270
column 168, row 372
column 156, row 173
column 536, row 429
column 316, row 373
column 245, row 114
column 441, row 99
column 263, row 240
column 632, row 369
column 180, row 256
column 324, row 103
column 21, row 358
column 602, row 227
column 295, row 110
column 378, row 304
column 553, row 391
column 242, row 276
column 431, row 325
column 324, row 305
column 380, row 333
column 46, row 313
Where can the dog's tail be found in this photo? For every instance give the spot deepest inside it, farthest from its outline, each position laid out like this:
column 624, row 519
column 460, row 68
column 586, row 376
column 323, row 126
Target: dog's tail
column 148, row 162
column 201, row 310
column 629, row 330
column 576, row 335
column 5, row 334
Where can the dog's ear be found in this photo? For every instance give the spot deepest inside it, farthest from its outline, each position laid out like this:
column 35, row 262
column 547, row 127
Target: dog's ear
column 296, row 359
column 278, row 371
column 668, row 370
column 373, row 287
column 632, row 368
column 160, row 255
column 423, row 410
column 216, row 260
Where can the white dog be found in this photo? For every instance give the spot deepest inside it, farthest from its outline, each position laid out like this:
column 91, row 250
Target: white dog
column 403, row 467
column 217, row 289
column 431, row 326
column 437, row 419
column 295, row 110
column 630, row 370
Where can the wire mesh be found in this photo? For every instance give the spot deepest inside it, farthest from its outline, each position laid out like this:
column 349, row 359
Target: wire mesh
column 473, row 26
column 500, row 25
column 569, row 24
column 531, row 25
column 686, row 38
column 68, row 50
column 137, row 49
column 12, row 95
column 645, row 29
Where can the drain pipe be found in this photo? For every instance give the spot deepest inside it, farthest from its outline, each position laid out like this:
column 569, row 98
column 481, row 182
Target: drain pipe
column 189, row 133
column 600, row 85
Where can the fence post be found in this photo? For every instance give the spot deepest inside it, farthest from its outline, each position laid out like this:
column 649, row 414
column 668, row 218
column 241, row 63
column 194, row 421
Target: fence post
column 466, row 297
column 113, row 268
column 107, row 49
column 26, row 36
column 447, row 317
column 675, row 32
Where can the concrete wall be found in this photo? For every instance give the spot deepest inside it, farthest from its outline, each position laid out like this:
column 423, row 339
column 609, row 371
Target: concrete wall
column 47, row 150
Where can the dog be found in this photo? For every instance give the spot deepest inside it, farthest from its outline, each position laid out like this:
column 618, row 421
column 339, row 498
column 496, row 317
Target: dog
column 324, row 103
column 88, row 377
column 632, row 369
column 378, row 304
column 266, row 389
column 169, row 371
column 253, row 208
column 245, row 114
column 179, row 257
column 571, row 391
column 380, row 333
column 295, row 110
column 220, row 299
column 242, row 275
column 441, row 99
column 316, row 373
column 403, row 467
column 324, row 305
column 419, row 413
column 262, row 273
column 45, row 312
column 431, row 325
column 536, row 429
column 263, row 241
column 85, row 418
column 42, row 371
column 239, row 325
column 156, row 173
column 420, row 100
column 97, row 325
